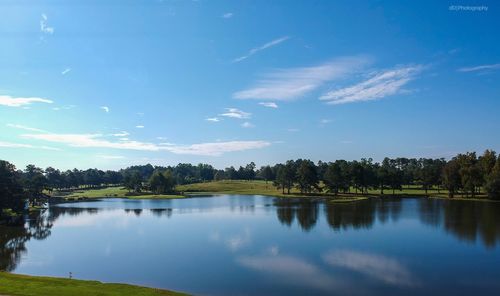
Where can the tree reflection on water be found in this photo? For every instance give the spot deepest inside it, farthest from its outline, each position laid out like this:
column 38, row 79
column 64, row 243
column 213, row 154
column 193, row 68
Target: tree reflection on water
column 36, row 225
column 474, row 222
column 467, row 220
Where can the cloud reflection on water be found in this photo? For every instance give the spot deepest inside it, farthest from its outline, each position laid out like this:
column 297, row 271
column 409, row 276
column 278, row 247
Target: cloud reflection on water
column 292, row 270
column 234, row 242
column 382, row 268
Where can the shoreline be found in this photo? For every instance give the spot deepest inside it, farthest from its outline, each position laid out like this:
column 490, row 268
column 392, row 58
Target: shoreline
column 254, row 187
column 21, row 284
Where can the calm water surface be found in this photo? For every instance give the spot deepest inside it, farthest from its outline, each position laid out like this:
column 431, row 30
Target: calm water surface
column 255, row 245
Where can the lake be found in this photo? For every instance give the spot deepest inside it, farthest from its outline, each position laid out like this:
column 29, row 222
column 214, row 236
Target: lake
column 257, row 245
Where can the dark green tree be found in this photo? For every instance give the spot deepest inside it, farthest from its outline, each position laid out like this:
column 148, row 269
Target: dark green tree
column 493, row 181
column 133, row 181
column 336, row 177
column 307, row 177
column 11, row 190
column 470, row 172
column 34, row 182
column 383, row 174
column 451, row 177
column 54, row 178
column 280, row 181
column 285, row 176
column 219, row 175
column 162, row 182
column 266, row 173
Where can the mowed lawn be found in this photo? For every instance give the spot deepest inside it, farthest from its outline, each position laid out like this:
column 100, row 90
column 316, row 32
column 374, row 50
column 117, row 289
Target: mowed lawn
column 16, row 284
column 234, row 187
column 257, row 187
column 261, row 188
column 117, row 192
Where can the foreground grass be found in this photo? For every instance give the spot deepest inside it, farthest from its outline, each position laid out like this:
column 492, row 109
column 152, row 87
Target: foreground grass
column 16, row 284
column 116, row 192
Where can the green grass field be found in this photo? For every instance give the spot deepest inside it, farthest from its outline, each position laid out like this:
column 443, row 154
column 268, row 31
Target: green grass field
column 261, row 188
column 16, row 284
column 235, row 187
column 116, row 192
column 254, row 187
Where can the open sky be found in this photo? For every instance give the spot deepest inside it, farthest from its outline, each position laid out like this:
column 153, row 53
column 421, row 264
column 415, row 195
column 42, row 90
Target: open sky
column 111, row 83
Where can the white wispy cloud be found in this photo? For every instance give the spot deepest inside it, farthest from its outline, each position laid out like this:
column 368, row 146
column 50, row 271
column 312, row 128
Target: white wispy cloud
column 66, row 71
column 67, row 107
column 139, row 126
column 44, row 28
column 247, row 124
column 91, row 140
column 121, row 134
column 236, row 113
column 26, row 128
column 228, row 15
column 20, row 102
column 105, row 108
column 217, row 148
column 325, row 121
column 20, row 145
column 293, row 83
column 99, row 141
column 480, row 68
column 269, row 104
column 110, row 157
column 260, row 48
column 213, row 119
column 382, row 84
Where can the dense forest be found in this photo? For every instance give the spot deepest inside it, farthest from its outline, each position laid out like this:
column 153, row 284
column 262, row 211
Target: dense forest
column 465, row 174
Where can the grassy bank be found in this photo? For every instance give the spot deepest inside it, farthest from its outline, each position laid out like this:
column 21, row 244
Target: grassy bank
column 261, row 188
column 15, row 284
column 235, row 187
column 256, row 187
column 458, row 197
column 115, row 192
column 347, row 199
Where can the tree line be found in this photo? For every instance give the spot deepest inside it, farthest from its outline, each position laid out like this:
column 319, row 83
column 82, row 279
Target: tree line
column 466, row 174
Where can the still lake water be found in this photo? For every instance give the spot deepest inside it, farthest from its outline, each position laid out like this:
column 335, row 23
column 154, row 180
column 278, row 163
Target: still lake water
column 256, row 245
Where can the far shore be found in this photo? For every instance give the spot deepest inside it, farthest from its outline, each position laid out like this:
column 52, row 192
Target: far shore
column 253, row 187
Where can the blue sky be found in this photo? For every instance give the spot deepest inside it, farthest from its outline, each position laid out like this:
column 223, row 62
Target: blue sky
column 113, row 83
